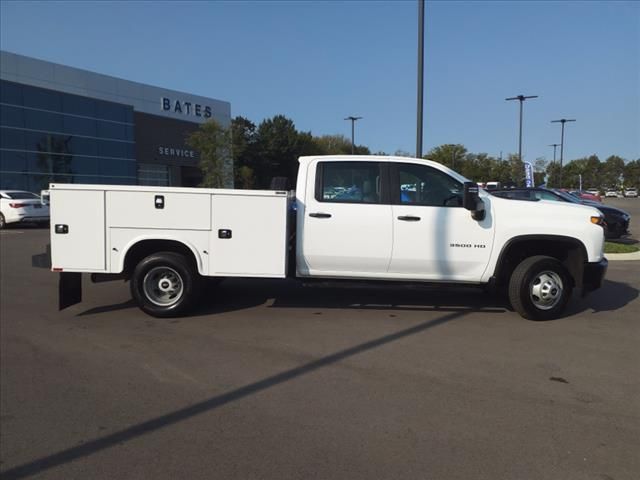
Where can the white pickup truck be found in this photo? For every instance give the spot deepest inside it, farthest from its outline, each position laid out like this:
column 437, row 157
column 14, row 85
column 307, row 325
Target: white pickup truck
column 351, row 217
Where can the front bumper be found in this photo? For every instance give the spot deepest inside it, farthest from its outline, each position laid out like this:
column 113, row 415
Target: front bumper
column 593, row 275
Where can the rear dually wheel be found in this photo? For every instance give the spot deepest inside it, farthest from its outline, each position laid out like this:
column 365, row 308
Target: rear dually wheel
column 165, row 284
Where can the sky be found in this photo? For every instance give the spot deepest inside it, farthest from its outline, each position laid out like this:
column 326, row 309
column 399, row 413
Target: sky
column 318, row 62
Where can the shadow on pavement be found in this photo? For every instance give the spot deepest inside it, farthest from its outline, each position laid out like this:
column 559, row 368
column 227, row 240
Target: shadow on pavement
column 109, row 308
column 239, row 294
column 73, row 453
column 610, row 297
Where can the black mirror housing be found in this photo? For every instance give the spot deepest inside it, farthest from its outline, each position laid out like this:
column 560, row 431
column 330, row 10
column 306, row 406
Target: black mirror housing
column 472, row 202
column 471, row 196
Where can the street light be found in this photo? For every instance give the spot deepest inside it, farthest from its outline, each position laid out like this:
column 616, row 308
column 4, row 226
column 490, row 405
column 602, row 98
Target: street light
column 521, row 98
column 353, row 122
column 554, row 145
column 562, row 121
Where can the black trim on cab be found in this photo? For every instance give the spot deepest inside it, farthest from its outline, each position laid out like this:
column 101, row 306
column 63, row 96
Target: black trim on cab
column 594, row 275
column 505, row 265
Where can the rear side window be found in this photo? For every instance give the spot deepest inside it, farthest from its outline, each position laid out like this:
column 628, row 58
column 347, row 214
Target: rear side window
column 348, row 182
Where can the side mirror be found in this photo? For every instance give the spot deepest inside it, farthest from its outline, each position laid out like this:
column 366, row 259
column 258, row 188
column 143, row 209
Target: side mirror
column 471, row 197
column 472, row 202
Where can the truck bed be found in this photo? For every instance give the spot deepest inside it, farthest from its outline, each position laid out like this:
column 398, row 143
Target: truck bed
column 239, row 233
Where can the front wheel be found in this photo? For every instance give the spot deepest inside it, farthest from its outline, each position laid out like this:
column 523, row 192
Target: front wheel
column 165, row 285
column 540, row 288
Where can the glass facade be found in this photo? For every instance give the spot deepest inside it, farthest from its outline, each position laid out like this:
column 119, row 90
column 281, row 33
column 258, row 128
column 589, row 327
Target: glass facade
column 151, row 174
column 48, row 136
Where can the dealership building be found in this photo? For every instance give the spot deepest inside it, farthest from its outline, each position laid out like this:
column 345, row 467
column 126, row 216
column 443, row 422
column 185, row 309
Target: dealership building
column 66, row 125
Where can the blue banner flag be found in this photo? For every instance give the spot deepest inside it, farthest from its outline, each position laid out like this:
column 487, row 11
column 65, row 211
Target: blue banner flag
column 528, row 175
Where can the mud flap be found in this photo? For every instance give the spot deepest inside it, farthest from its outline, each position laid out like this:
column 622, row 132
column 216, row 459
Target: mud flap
column 69, row 289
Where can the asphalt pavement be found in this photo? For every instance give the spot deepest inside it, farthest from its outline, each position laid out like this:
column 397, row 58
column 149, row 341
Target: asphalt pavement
column 268, row 380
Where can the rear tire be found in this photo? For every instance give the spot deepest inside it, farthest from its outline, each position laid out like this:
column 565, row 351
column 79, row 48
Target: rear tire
column 165, row 284
column 540, row 288
column 3, row 224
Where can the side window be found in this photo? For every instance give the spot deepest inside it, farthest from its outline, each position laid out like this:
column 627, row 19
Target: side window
column 423, row 185
column 348, row 182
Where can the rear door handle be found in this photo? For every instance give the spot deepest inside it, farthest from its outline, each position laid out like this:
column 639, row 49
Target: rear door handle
column 320, row 215
column 409, row 218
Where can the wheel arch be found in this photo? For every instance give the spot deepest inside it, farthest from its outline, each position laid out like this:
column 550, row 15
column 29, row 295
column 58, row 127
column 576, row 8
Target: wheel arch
column 139, row 248
column 570, row 251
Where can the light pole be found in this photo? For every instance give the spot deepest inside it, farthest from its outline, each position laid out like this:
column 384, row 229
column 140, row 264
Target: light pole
column 420, row 77
column 521, row 99
column 554, row 145
column 353, row 122
column 562, row 121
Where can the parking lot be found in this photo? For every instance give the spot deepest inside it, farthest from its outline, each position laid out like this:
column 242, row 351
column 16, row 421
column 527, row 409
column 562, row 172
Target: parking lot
column 271, row 380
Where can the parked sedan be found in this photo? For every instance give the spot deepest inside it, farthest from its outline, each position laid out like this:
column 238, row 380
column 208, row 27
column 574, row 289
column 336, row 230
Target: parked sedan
column 631, row 193
column 583, row 195
column 21, row 207
column 617, row 220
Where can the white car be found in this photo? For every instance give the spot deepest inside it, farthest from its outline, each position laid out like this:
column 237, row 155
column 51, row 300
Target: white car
column 631, row 193
column 21, row 207
column 611, row 194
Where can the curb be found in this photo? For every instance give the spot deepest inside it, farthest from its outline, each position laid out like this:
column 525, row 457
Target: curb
column 622, row 256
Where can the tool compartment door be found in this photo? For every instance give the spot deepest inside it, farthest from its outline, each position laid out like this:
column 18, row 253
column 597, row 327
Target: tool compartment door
column 79, row 213
column 161, row 209
column 249, row 235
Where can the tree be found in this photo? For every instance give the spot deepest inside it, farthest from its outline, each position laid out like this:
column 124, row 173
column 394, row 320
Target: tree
column 632, row 174
column 334, row 144
column 448, row 154
column 402, row 153
column 243, row 145
column 539, row 169
column 612, row 171
column 244, row 177
column 277, row 145
column 516, row 170
column 553, row 175
column 213, row 142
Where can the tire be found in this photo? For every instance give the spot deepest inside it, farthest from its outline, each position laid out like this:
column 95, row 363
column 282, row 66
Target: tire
column 165, row 284
column 540, row 288
column 3, row 224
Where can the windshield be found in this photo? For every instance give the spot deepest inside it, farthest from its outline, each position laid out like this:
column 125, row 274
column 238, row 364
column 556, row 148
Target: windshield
column 21, row 195
column 568, row 197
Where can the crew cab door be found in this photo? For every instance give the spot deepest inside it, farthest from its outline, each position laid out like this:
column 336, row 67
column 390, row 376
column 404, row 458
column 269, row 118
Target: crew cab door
column 346, row 220
column 434, row 238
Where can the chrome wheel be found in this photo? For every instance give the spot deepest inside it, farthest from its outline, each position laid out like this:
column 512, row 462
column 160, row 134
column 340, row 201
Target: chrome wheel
column 163, row 286
column 545, row 290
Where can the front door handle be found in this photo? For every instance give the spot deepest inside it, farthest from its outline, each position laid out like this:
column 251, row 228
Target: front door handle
column 320, row 215
column 409, row 218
